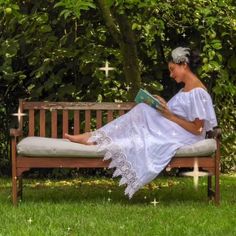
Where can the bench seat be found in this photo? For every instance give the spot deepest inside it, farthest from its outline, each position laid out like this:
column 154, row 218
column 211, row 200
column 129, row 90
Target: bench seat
column 54, row 147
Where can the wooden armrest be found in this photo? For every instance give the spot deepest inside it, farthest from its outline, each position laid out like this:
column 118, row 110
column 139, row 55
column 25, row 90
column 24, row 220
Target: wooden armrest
column 16, row 132
column 216, row 133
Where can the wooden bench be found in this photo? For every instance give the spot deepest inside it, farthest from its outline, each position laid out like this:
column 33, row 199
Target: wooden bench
column 54, row 119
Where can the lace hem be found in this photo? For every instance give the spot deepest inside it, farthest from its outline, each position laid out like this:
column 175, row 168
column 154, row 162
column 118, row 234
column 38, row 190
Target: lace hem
column 119, row 161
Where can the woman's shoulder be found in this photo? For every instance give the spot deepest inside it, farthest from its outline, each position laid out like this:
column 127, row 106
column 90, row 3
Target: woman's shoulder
column 196, row 94
column 194, row 91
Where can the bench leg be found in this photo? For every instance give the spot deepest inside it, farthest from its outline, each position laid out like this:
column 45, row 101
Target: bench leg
column 20, row 189
column 209, row 187
column 217, row 188
column 17, row 189
column 217, row 174
column 14, row 190
column 14, row 173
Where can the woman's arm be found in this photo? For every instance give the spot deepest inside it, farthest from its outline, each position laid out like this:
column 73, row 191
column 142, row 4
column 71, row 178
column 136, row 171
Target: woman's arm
column 194, row 127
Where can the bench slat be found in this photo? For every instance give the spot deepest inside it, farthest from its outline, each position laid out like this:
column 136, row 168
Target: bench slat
column 76, row 122
column 78, row 105
column 64, row 122
column 31, row 122
column 109, row 116
column 87, row 120
column 121, row 112
column 42, row 123
column 98, row 119
column 54, row 124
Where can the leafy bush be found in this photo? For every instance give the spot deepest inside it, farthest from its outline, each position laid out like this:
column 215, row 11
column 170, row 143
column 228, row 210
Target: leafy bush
column 53, row 53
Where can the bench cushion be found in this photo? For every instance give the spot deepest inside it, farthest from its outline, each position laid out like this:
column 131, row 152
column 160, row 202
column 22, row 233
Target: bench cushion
column 53, row 147
column 206, row 147
column 56, row 147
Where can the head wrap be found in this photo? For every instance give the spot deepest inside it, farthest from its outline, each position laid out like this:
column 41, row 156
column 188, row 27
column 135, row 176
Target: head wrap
column 180, row 55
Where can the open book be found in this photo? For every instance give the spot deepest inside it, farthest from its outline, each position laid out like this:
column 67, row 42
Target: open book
column 146, row 97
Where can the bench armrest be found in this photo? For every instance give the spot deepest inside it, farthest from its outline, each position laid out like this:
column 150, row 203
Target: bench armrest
column 215, row 133
column 16, row 132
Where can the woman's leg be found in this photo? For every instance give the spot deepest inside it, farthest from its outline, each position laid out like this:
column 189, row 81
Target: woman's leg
column 80, row 138
column 83, row 138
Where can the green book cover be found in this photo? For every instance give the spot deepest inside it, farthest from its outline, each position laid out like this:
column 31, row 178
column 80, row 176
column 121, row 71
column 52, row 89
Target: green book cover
column 146, row 97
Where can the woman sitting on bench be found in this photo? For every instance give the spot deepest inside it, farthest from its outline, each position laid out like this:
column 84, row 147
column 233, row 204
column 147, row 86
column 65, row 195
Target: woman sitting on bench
column 142, row 142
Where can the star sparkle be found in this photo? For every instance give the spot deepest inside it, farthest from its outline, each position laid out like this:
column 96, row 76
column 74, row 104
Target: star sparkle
column 128, row 87
column 154, row 202
column 195, row 174
column 106, row 68
column 19, row 114
column 159, row 133
column 174, row 133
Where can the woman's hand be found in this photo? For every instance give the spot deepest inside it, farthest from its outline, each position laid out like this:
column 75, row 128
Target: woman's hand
column 164, row 109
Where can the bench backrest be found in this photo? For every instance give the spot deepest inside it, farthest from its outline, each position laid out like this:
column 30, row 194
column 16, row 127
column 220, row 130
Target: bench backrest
column 54, row 119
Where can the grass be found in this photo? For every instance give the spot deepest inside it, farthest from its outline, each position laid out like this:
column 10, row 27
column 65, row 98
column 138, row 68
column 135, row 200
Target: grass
column 97, row 206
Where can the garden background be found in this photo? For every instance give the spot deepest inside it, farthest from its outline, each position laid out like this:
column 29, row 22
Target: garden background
column 52, row 50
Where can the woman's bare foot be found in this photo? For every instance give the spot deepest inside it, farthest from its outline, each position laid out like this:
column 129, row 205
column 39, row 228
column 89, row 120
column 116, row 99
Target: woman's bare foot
column 80, row 138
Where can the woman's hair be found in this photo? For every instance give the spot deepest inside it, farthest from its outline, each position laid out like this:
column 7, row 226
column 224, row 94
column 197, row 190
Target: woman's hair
column 182, row 55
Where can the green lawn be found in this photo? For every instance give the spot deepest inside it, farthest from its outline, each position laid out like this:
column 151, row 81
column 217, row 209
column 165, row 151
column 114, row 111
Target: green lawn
column 98, row 207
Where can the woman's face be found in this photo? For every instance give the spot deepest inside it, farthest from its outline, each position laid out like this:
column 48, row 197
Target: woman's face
column 177, row 71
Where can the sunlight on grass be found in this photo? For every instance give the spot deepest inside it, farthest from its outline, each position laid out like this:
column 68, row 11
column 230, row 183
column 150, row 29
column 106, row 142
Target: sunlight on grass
column 97, row 206
column 94, row 182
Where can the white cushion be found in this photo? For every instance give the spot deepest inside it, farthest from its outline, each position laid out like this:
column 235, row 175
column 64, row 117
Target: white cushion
column 204, row 147
column 53, row 147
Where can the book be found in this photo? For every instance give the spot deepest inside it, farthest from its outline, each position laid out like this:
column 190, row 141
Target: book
column 148, row 98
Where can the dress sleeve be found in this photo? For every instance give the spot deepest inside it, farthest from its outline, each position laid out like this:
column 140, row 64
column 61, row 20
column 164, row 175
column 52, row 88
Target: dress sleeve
column 201, row 107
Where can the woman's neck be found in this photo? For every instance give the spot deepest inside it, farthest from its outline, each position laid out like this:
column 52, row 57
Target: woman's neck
column 191, row 81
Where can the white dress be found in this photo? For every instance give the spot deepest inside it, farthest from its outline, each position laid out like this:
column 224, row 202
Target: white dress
column 142, row 142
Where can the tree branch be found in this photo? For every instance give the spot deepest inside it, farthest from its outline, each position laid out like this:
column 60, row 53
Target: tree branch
column 125, row 29
column 121, row 30
column 109, row 20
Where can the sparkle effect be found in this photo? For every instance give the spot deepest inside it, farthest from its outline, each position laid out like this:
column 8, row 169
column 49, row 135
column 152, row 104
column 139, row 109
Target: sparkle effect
column 168, row 168
column 159, row 133
column 128, row 87
column 106, row 68
column 195, row 173
column 174, row 133
column 154, row 202
column 19, row 114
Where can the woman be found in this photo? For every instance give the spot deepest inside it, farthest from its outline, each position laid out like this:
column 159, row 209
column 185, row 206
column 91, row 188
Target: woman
column 142, row 142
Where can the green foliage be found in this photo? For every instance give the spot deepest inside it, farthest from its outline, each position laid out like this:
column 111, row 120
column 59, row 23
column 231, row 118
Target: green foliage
column 74, row 7
column 51, row 50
